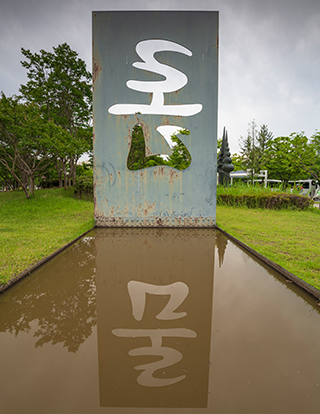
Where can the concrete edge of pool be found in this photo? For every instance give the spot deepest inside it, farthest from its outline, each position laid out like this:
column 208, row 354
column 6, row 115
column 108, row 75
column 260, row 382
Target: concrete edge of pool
column 285, row 273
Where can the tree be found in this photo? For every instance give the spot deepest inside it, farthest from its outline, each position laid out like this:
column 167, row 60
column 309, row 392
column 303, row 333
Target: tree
column 62, row 87
column 315, row 139
column 27, row 141
column 306, row 156
column 137, row 159
column 248, row 149
column 264, row 138
column 254, row 147
column 288, row 158
column 314, row 171
column 237, row 162
column 180, row 157
column 7, row 181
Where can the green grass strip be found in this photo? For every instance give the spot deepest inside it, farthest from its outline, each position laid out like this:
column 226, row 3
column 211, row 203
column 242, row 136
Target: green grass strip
column 289, row 238
column 33, row 229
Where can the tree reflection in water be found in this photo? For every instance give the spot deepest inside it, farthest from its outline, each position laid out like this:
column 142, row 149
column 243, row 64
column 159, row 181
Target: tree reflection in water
column 58, row 301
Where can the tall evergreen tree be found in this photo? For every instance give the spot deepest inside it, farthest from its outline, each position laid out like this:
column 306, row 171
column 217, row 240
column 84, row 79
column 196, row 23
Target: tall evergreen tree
column 264, row 138
column 254, row 148
column 248, row 149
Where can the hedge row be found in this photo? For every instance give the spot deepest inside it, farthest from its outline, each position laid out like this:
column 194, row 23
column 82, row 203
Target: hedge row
column 275, row 201
column 84, row 187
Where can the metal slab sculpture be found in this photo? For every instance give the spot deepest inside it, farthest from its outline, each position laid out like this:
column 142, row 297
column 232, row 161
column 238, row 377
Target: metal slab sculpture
column 157, row 71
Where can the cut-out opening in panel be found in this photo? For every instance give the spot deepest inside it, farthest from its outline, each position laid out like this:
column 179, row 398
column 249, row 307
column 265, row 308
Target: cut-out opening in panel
column 180, row 157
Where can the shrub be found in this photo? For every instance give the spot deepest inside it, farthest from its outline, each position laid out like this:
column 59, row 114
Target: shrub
column 275, row 201
column 84, row 187
column 48, row 183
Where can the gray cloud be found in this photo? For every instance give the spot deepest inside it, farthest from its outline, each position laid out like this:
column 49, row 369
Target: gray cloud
column 269, row 53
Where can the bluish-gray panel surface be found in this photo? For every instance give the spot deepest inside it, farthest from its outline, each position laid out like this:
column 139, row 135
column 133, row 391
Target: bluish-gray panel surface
column 134, row 54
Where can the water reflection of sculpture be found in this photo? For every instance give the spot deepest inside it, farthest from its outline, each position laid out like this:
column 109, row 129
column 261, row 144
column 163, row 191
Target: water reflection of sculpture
column 154, row 316
column 221, row 243
column 177, row 291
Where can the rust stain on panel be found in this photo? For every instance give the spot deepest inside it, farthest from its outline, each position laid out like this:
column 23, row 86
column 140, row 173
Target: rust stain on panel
column 96, row 67
column 148, row 208
column 156, row 221
column 173, row 175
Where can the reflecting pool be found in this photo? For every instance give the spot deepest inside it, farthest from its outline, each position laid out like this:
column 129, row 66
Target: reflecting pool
column 154, row 320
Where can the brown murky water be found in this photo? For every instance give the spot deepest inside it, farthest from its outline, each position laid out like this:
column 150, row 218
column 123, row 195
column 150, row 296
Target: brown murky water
column 162, row 319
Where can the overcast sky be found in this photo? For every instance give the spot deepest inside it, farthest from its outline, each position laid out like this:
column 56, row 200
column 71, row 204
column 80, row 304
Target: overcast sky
column 269, row 54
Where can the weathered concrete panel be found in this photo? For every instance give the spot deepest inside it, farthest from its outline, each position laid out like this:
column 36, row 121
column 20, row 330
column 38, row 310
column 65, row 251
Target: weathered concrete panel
column 153, row 95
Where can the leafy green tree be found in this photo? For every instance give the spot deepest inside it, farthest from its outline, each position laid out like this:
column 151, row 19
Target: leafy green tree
column 27, row 141
column 306, row 157
column 7, row 181
column 62, row 87
column 180, row 157
column 315, row 139
column 288, row 158
column 253, row 148
column 238, row 162
column 314, row 171
column 84, row 169
column 137, row 159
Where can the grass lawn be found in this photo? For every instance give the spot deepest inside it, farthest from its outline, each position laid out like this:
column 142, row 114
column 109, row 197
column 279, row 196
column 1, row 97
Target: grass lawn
column 33, row 229
column 289, row 238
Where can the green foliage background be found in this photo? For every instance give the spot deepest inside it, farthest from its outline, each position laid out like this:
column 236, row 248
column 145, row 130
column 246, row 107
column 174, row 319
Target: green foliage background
column 179, row 159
